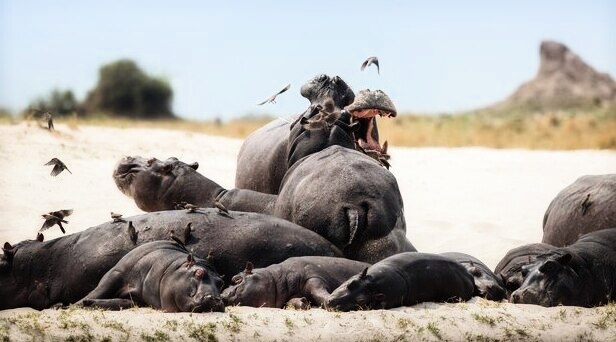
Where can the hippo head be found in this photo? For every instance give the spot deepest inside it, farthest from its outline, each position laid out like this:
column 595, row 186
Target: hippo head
column 322, row 87
column 361, row 291
column 196, row 287
column 550, row 282
column 486, row 286
column 325, row 124
column 151, row 181
column 252, row 288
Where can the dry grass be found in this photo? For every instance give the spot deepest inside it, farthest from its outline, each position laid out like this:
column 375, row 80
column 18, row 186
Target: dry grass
column 592, row 129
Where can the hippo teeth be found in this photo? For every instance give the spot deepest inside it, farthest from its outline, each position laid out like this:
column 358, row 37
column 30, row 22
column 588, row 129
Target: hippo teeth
column 371, row 146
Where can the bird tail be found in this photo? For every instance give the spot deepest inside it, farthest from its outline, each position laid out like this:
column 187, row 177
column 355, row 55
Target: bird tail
column 62, row 228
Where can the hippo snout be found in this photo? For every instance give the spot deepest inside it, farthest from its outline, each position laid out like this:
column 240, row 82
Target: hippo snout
column 209, row 303
column 524, row 296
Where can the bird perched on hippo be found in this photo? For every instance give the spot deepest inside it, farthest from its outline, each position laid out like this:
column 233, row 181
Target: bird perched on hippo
column 262, row 160
column 341, row 194
column 64, row 270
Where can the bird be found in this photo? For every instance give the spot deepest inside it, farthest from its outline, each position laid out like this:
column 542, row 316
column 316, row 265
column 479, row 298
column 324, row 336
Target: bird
column 371, row 60
column 116, row 217
column 49, row 117
column 55, row 217
column 40, row 237
column 187, row 232
column 191, row 208
column 59, row 166
column 222, row 210
column 132, row 233
column 586, row 204
column 272, row 99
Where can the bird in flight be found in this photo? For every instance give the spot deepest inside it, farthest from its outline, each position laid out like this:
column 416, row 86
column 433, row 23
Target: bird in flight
column 58, row 166
column 55, row 217
column 272, row 98
column 369, row 61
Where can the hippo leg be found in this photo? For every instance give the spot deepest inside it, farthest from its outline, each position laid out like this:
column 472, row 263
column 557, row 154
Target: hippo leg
column 317, row 290
column 108, row 286
column 109, row 304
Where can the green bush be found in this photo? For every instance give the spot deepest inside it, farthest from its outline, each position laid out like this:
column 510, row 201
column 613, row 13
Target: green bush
column 124, row 89
column 59, row 102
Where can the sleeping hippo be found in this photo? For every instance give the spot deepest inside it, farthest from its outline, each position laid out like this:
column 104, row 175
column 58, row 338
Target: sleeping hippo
column 582, row 274
column 338, row 192
column 310, row 277
column 262, row 160
column 162, row 275
column 404, row 279
column 513, row 267
column 66, row 269
column 487, row 284
column 587, row 205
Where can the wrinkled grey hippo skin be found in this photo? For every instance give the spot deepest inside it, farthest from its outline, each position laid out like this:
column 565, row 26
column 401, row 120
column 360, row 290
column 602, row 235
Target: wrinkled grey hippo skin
column 514, row 266
column 582, row 274
column 587, row 205
column 487, row 284
column 162, row 275
column 310, row 277
column 261, row 162
column 404, row 279
column 64, row 270
column 263, row 158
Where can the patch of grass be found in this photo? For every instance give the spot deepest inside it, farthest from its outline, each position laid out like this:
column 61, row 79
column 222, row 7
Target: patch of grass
column 288, row 322
column 403, row 323
column 117, row 326
column 171, row 325
column 308, row 320
column 562, row 314
column 484, row 319
column 481, row 338
column 158, row 336
column 233, row 325
column 434, row 329
column 86, row 337
column 203, row 332
column 29, row 324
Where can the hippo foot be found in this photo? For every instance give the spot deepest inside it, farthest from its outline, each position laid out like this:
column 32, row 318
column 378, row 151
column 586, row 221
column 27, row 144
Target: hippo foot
column 298, row 304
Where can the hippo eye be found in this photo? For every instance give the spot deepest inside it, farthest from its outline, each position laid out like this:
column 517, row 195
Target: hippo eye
column 200, row 273
column 475, row 272
column 237, row 279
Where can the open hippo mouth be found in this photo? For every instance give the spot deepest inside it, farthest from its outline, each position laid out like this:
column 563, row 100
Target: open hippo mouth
column 364, row 110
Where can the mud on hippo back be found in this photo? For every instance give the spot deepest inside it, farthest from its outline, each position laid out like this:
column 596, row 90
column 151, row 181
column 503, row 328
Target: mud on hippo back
column 262, row 160
column 582, row 274
column 64, row 270
column 587, row 205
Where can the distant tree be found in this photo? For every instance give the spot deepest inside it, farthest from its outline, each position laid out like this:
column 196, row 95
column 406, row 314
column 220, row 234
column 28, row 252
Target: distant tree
column 124, row 89
column 59, row 102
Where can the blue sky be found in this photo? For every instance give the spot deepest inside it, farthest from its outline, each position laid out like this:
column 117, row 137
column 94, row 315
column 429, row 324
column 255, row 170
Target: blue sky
column 223, row 58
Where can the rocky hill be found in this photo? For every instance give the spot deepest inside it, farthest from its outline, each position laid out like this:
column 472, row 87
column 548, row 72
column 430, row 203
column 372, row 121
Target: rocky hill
column 563, row 81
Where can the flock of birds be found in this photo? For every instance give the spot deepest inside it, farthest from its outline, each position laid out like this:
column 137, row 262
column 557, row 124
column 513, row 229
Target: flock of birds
column 53, row 218
column 368, row 62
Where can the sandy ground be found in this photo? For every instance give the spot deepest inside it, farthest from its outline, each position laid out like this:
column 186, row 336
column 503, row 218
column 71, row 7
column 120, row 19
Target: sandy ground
column 474, row 200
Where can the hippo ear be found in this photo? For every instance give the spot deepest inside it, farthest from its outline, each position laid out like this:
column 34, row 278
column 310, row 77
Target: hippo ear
column 363, row 273
column 7, row 246
column 194, row 165
column 550, row 266
column 249, row 267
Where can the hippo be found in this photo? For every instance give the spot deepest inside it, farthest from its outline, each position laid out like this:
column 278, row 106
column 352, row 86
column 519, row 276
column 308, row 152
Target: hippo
column 342, row 194
column 162, row 275
column 586, row 205
column 262, row 160
column 487, row 284
column 513, row 267
column 404, row 279
column 581, row 274
column 66, row 269
column 309, row 277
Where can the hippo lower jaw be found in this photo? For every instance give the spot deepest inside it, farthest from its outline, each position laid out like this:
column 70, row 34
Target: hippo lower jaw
column 210, row 305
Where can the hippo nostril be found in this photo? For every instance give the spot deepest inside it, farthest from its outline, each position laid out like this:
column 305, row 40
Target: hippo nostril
column 515, row 297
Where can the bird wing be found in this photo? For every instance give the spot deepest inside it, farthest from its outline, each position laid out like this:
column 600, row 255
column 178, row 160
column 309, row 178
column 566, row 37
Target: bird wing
column 365, row 64
column 273, row 97
column 284, row 89
column 62, row 213
column 56, row 170
column 47, row 224
column 270, row 99
column 53, row 161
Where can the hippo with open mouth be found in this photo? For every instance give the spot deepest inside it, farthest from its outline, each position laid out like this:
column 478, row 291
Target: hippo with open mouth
column 262, row 160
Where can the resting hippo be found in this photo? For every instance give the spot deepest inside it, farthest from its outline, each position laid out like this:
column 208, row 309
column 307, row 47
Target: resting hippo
column 582, row 274
column 513, row 267
column 262, row 160
column 342, row 194
column 313, row 277
column 64, row 270
column 487, row 284
column 162, row 275
column 404, row 279
column 587, row 205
